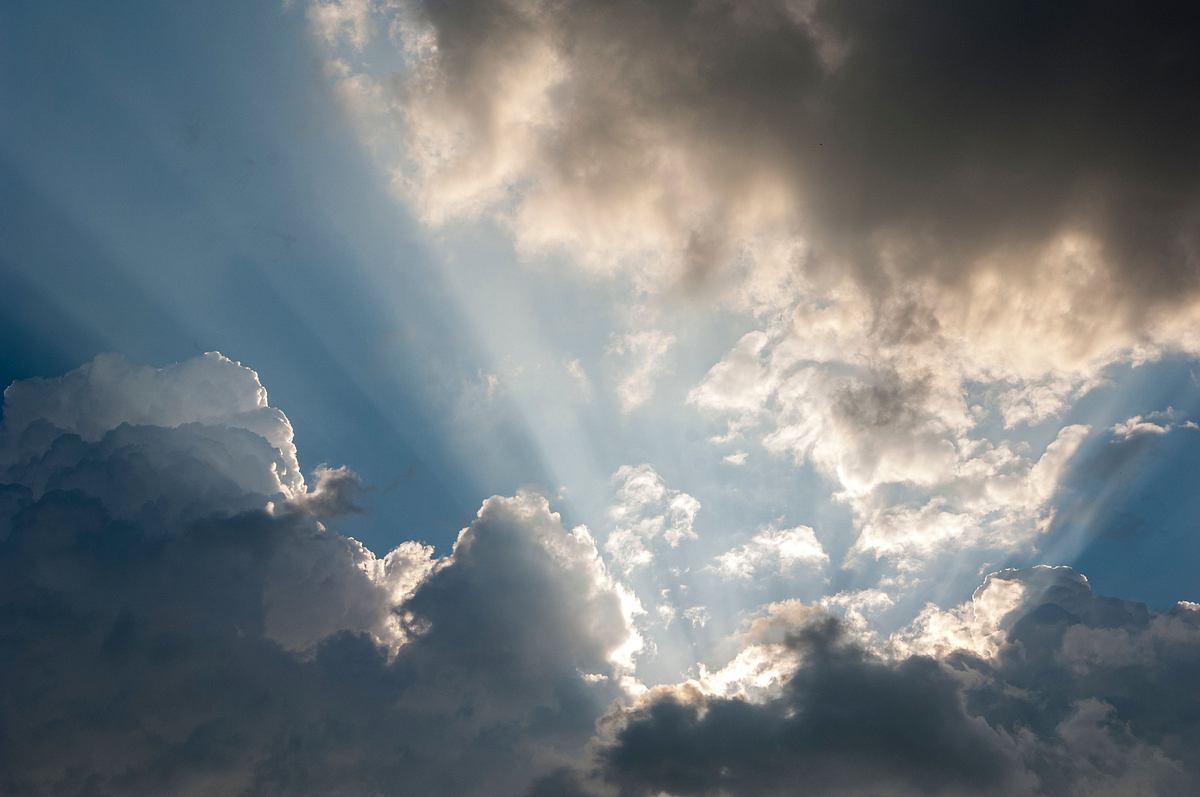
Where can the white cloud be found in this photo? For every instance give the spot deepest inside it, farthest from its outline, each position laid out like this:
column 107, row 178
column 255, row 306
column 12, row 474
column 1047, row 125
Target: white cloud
column 342, row 20
column 577, row 372
column 772, row 552
column 643, row 352
column 645, row 514
column 1155, row 423
column 107, row 392
column 736, row 458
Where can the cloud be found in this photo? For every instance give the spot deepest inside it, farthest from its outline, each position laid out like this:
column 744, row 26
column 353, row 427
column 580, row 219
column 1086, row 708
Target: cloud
column 645, row 351
column 901, row 443
column 944, row 227
column 737, row 458
column 1037, row 686
column 846, row 723
column 1036, row 181
column 1137, row 425
column 577, row 372
column 646, row 514
column 176, row 617
column 772, row 551
column 1155, row 423
column 348, row 20
column 108, row 392
column 334, row 493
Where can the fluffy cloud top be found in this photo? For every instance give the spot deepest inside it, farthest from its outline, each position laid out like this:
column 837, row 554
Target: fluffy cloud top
column 778, row 550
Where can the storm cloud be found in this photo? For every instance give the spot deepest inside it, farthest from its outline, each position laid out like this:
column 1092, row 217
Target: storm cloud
column 929, row 143
column 174, row 618
column 1081, row 694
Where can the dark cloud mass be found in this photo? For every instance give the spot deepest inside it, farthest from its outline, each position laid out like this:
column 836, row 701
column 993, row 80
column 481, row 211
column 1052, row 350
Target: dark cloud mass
column 847, row 724
column 169, row 624
column 176, row 619
column 916, row 140
column 1086, row 695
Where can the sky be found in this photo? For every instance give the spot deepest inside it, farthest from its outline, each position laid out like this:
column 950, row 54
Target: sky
column 576, row 398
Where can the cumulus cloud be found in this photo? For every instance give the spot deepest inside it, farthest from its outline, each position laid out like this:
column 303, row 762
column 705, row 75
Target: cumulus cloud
column 109, row 392
column 646, row 515
column 1154, row 423
column 944, row 220
column 176, row 617
column 643, row 352
column 873, row 428
column 1036, row 686
column 772, row 551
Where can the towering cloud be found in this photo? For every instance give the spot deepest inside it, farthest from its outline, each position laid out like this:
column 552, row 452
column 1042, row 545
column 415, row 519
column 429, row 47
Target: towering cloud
column 175, row 617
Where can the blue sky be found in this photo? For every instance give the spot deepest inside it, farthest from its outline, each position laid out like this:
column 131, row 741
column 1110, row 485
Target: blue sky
column 179, row 182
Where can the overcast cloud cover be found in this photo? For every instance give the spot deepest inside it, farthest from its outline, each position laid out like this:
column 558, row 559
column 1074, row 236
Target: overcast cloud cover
column 815, row 352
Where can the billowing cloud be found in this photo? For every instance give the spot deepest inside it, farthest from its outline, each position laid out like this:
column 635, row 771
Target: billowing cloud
column 177, row 619
column 1037, row 686
column 871, row 430
column 947, row 223
column 1037, row 180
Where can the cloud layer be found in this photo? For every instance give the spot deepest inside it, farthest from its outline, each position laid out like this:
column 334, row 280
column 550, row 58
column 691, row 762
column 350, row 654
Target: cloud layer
column 945, row 224
column 939, row 156
column 176, row 617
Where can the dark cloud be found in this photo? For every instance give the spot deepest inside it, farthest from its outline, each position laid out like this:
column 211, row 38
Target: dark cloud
column 176, row 619
column 923, row 140
column 846, row 724
column 172, row 621
column 335, row 493
column 1086, row 695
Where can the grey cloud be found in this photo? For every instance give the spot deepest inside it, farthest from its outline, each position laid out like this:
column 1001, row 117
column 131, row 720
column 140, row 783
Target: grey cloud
column 846, row 724
column 1086, row 695
column 334, row 494
column 922, row 138
column 171, row 623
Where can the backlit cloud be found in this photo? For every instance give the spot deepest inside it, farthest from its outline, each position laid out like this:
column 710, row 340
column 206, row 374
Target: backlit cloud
column 177, row 620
